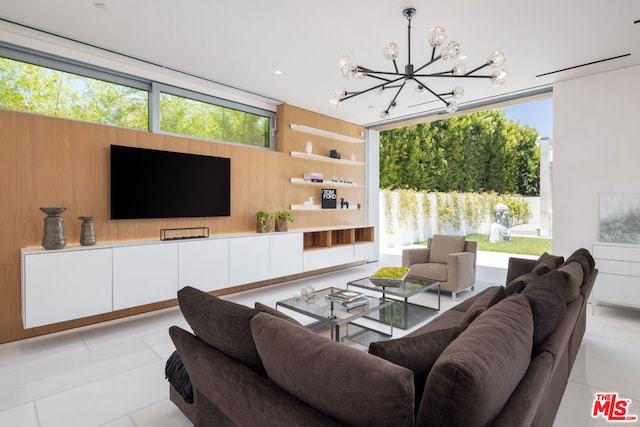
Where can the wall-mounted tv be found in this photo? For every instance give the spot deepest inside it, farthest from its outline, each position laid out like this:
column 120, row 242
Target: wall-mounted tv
column 162, row 184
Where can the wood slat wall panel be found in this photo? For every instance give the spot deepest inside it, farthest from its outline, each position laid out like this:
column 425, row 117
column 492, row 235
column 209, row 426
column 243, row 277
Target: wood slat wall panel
column 48, row 161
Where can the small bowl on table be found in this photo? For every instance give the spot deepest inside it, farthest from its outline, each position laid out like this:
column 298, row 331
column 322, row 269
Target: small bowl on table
column 389, row 277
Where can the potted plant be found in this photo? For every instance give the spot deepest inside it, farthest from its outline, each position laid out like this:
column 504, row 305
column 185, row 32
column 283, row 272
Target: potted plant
column 282, row 219
column 265, row 222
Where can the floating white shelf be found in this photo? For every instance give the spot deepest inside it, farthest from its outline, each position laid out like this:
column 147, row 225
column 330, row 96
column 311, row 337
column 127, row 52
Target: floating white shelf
column 325, row 158
column 325, row 133
column 325, row 183
column 319, row 208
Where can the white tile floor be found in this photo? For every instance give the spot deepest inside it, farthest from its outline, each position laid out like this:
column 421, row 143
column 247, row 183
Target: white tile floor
column 112, row 374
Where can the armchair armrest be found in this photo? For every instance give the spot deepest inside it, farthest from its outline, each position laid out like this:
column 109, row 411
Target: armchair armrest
column 460, row 266
column 414, row 256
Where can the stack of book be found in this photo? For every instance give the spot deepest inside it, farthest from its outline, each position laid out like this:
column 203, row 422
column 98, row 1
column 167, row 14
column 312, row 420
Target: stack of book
column 349, row 299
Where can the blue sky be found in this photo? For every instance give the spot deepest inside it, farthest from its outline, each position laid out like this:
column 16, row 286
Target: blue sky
column 536, row 114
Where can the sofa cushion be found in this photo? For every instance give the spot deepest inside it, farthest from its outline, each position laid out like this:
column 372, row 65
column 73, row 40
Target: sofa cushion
column 585, row 259
column 433, row 271
column 553, row 260
column 442, row 245
column 487, row 300
column 349, row 385
column 575, row 275
column 272, row 311
column 547, row 296
column 518, row 284
column 221, row 324
column 417, row 353
column 475, row 375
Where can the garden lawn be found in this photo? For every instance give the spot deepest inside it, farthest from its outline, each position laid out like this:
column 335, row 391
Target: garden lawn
column 518, row 245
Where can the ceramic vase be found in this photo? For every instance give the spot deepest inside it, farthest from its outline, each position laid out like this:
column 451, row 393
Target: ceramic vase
column 88, row 232
column 53, row 237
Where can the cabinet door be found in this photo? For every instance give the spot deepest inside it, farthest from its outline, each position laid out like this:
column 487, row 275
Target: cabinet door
column 248, row 259
column 286, row 254
column 364, row 251
column 65, row 285
column 204, row 264
column 144, row 274
column 323, row 258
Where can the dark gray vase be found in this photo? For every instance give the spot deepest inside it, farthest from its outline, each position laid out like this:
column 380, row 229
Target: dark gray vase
column 54, row 237
column 88, row 232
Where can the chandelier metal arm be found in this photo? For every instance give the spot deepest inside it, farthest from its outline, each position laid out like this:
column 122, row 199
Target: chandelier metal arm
column 428, row 63
column 354, row 94
column 476, row 69
column 430, row 91
column 393, row 101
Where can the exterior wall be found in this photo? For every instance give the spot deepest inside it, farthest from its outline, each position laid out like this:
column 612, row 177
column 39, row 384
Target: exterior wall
column 595, row 151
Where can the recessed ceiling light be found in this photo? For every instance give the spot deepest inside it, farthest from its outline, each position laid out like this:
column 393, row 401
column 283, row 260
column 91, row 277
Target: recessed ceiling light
column 277, row 72
column 100, row 6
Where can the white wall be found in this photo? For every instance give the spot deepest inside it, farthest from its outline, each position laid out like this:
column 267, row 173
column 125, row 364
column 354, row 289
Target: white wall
column 596, row 151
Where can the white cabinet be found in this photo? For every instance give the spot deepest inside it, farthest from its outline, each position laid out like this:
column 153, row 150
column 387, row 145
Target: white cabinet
column 285, row 254
column 323, row 258
column 60, row 286
column 248, row 259
column 618, row 280
column 144, row 274
column 204, row 264
column 364, row 251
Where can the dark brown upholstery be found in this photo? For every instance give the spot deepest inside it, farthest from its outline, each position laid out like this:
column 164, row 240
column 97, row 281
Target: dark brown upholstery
column 474, row 377
column 331, row 376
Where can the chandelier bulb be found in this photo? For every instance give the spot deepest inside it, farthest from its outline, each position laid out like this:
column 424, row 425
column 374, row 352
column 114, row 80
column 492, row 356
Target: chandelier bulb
column 335, row 101
column 452, row 107
column 496, row 59
column 459, row 70
column 499, row 77
column 420, row 89
column 380, row 90
column 457, row 92
column 390, row 51
column 450, row 51
column 437, row 36
column 384, row 115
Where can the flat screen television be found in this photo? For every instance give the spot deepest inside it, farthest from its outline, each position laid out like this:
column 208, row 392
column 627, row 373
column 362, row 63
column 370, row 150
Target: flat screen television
column 162, row 184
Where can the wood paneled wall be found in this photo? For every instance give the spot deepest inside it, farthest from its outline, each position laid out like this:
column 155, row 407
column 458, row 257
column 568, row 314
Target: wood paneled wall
column 47, row 161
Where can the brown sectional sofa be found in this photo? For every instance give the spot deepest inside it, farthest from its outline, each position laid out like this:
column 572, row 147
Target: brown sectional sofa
column 500, row 358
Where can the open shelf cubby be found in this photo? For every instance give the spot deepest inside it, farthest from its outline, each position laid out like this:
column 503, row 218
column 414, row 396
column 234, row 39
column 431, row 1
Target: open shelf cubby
column 343, row 237
column 364, row 235
column 317, row 239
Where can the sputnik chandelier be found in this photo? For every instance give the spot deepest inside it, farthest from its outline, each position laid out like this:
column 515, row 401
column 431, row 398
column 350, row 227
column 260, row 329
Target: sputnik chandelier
column 397, row 79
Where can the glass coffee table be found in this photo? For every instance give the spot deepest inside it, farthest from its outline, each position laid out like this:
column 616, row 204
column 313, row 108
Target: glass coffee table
column 407, row 314
column 340, row 319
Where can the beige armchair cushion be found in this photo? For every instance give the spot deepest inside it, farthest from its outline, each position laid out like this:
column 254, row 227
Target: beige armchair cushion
column 433, row 271
column 442, row 245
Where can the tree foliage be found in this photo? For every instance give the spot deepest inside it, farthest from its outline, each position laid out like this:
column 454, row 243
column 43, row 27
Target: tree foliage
column 480, row 152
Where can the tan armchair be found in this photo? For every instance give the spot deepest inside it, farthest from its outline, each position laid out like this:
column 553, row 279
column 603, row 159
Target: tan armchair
column 451, row 260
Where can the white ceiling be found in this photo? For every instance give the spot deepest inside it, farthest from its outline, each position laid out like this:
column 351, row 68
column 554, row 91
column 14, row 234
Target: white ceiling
column 242, row 43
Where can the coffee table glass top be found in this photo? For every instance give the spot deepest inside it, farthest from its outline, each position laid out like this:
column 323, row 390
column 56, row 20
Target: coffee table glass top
column 321, row 308
column 410, row 286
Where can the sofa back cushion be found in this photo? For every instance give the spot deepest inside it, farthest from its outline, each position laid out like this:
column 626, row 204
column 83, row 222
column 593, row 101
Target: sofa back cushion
column 418, row 353
column 547, row 296
column 221, row 324
column 475, row 375
column 349, row 385
column 574, row 276
column 481, row 303
column 441, row 246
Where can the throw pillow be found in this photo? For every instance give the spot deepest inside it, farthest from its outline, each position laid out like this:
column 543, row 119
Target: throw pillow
column 349, row 385
column 547, row 296
column 585, row 259
column 555, row 260
column 272, row 311
column 518, row 284
column 417, row 353
column 221, row 324
column 482, row 303
column 574, row 274
column 441, row 246
column 476, row 374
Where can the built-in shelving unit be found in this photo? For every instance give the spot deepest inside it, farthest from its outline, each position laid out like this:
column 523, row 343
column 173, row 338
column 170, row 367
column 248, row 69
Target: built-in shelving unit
column 325, row 159
column 325, row 183
column 319, row 208
column 327, row 134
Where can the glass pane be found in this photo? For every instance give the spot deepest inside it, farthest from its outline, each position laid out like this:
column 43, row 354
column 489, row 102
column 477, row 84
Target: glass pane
column 34, row 89
column 189, row 117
